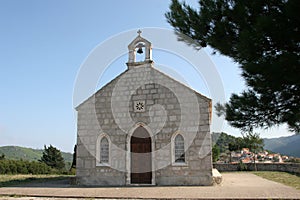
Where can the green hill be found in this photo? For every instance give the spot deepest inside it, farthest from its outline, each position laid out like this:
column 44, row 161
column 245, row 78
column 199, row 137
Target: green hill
column 17, row 153
column 285, row 145
column 222, row 140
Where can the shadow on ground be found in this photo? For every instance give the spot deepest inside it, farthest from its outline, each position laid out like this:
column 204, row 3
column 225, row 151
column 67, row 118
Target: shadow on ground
column 51, row 182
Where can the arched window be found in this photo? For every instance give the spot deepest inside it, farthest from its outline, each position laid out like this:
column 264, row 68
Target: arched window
column 104, row 151
column 179, row 149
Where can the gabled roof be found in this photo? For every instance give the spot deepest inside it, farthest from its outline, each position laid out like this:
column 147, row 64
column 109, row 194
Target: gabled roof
column 109, row 83
column 155, row 70
column 137, row 40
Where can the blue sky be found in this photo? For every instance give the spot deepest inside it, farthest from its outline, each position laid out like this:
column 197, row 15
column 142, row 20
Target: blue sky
column 42, row 46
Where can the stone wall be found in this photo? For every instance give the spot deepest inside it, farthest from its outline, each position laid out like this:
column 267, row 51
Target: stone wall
column 170, row 107
column 282, row 167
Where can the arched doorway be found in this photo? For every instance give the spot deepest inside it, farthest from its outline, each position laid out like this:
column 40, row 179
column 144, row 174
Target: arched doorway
column 140, row 162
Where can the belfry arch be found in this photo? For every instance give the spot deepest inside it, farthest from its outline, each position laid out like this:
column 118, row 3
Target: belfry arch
column 137, row 45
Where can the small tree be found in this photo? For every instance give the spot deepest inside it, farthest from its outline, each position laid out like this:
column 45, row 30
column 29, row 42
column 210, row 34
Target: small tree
column 232, row 146
column 52, row 157
column 254, row 143
column 215, row 153
column 276, row 159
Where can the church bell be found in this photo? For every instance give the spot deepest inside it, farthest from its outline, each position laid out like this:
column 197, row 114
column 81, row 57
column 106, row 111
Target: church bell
column 140, row 50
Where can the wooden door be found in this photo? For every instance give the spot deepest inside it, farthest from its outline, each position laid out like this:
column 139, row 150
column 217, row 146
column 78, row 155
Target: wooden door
column 141, row 165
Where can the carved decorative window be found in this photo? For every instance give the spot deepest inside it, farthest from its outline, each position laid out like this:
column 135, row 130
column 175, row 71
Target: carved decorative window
column 139, row 106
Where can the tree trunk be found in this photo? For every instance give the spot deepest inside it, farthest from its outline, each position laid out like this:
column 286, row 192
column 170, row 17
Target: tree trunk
column 255, row 168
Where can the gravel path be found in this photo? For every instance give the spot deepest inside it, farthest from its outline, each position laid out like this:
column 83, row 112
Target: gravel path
column 234, row 185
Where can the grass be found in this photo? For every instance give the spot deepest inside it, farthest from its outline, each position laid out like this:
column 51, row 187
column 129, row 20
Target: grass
column 12, row 180
column 281, row 177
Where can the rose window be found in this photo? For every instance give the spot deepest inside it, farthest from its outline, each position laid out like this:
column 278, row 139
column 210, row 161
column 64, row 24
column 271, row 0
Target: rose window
column 139, row 106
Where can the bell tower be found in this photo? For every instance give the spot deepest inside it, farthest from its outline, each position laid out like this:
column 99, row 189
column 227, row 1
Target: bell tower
column 139, row 46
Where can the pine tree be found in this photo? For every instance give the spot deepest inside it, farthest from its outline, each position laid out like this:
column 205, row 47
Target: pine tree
column 52, row 157
column 263, row 38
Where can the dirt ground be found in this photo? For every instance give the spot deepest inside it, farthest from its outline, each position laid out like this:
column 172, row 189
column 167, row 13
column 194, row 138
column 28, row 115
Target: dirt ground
column 234, row 185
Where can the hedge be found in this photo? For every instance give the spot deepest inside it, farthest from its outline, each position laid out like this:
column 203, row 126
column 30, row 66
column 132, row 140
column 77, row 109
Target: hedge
column 26, row 167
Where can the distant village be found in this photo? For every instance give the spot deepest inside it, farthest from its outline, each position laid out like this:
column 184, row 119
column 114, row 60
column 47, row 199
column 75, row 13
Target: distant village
column 246, row 156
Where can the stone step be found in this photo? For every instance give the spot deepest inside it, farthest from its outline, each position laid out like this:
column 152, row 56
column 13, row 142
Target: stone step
column 217, row 177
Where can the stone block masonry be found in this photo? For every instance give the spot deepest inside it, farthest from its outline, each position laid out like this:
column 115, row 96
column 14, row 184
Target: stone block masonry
column 293, row 168
column 144, row 97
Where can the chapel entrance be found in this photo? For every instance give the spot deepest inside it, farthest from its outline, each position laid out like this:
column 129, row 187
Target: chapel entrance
column 140, row 150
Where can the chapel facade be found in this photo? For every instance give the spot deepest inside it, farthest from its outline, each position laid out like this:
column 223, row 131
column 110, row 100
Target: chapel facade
column 144, row 128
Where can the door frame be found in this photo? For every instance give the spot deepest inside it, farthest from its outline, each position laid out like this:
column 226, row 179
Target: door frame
column 128, row 152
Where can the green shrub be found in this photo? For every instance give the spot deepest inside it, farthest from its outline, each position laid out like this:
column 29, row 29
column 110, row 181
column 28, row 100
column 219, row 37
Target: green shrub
column 25, row 167
column 242, row 166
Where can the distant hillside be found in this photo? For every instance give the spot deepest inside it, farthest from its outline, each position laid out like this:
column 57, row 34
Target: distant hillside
column 222, row 140
column 284, row 145
column 214, row 137
column 16, row 153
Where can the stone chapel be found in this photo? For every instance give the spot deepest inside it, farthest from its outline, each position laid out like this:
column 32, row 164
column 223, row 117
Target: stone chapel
column 144, row 128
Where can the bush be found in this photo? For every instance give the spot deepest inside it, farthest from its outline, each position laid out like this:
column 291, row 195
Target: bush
column 72, row 171
column 27, row 167
column 242, row 166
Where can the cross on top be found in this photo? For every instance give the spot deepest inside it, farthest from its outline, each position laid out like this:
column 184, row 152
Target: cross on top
column 139, row 32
